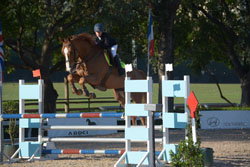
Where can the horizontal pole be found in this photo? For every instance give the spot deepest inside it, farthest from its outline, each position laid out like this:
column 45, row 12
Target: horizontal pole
column 78, row 151
column 71, row 99
column 69, row 115
column 103, row 127
column 101, row 140
column 75, row 139
column 92, row 127
column 153, row 107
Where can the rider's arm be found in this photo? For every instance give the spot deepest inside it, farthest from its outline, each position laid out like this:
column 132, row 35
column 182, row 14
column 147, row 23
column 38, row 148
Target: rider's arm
column 105, row 41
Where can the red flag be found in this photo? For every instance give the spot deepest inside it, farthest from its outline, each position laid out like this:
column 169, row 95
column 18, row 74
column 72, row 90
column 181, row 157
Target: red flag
column 36, row 73
column 192, row 103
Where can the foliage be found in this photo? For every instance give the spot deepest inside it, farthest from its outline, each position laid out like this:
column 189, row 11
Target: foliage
column 188, row 154
column 215, row 31
column 201, row 32
column 126, row 20
column 11, row 107
column 31, row 30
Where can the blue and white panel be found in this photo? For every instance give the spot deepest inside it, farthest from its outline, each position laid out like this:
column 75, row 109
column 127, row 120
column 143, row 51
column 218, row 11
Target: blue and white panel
column 136, row 157
column 137, row 86
column 174, row 120
column 167, row 149
column 29, row 123
column 139, row 133
column 135, row 110
column 27, row 149
column 29, row 91
column 174, row 88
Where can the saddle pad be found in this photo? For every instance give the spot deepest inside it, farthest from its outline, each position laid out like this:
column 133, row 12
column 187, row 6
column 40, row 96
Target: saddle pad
column 108, row 60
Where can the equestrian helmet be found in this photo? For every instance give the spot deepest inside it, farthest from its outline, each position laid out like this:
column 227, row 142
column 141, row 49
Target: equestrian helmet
column 98, row 27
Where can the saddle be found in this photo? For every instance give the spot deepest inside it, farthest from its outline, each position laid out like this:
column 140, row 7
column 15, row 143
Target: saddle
column 110, row 61
column 108, row 57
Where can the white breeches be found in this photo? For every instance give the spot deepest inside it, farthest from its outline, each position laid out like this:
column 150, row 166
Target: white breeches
column 113, row 50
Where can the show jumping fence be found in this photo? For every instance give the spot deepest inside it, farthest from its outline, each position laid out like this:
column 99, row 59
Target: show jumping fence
column 171, row 88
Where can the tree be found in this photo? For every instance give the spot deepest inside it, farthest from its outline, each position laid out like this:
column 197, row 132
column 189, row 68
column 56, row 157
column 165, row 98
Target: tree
column 219, row 32
column 165, row 15
column 126, row 20
column 31, row 31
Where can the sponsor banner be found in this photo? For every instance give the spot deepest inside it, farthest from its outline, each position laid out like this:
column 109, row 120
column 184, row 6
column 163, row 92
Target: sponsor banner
column 79, row 122
column 225, row 119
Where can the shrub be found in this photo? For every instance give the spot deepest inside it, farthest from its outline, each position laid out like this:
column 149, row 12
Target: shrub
column 11, row 107
column 188, row 154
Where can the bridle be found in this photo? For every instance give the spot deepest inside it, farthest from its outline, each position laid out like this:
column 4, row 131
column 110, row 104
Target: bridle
column 79, row 62
column 76, row 55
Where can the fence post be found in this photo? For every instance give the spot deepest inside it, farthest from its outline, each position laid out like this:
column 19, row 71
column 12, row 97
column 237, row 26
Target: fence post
column 66, row 95
column 88, row 103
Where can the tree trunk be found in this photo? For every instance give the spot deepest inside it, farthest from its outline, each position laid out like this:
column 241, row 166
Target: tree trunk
column 242, row 72
column 166, row 56
column 165, row 15
column 50, row 94
column 245, row 95
column 50, row 97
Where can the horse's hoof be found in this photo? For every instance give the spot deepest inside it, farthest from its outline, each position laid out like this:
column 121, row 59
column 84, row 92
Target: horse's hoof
column 92, row 96
column 79, row 92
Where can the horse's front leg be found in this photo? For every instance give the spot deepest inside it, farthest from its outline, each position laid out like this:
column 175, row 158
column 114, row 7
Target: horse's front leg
column 85, row 90
column 71, row 79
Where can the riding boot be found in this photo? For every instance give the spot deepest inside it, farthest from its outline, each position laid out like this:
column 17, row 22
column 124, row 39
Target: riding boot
column 121, row 71
column 111, row 59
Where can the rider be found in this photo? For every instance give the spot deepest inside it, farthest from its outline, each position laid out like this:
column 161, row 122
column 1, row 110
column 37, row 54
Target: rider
column 104, row 41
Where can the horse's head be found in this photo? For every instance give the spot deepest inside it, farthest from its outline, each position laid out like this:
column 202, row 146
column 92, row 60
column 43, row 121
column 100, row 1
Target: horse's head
column 70, row 53
column 75, row 50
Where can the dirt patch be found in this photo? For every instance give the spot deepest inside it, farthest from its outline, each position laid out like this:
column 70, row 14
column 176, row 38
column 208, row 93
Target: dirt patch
column 231, row 149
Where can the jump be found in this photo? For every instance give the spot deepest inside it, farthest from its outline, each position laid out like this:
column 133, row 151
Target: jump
column 86, row 63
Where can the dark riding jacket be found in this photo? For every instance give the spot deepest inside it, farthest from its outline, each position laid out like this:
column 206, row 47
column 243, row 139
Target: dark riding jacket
column 106, row 42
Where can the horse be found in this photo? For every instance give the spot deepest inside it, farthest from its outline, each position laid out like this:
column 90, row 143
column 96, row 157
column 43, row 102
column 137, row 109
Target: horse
column 86, row 63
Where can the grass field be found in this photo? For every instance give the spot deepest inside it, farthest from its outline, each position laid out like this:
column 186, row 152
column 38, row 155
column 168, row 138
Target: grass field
column 205, row 93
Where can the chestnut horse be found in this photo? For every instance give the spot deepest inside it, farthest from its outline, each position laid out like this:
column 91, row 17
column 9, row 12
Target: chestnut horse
column 86, row 63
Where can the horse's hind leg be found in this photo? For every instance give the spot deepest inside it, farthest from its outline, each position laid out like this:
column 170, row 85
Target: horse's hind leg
column 119, row 95
column 139, row 98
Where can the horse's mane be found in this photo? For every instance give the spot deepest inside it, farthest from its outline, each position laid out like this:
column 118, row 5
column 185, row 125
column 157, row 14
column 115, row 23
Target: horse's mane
column 84, row 36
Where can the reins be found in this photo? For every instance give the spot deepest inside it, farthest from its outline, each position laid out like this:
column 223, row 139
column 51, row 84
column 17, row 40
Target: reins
column 87, row 58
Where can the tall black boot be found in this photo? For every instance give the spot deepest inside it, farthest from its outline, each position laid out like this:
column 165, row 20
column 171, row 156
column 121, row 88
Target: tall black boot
column 121, row 71
column 111, row 59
